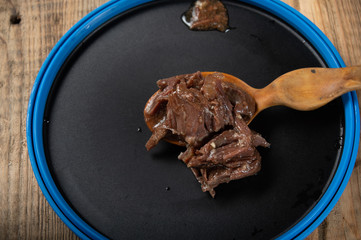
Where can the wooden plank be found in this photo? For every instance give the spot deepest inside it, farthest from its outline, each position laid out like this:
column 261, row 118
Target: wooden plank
column 24, row 45
column 24, row 211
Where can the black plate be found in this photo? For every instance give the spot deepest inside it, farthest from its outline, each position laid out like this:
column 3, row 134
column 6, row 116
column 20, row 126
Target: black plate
column 96, row 133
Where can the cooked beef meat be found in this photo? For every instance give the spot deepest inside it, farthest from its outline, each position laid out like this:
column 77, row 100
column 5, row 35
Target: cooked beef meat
column 207, row 15
column 209, row 116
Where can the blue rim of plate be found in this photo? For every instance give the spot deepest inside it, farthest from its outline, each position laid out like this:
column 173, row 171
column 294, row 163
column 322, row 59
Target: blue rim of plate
column 88, row 24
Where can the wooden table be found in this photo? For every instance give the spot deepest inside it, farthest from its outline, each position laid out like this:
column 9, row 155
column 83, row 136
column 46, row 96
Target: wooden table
column 28, row 31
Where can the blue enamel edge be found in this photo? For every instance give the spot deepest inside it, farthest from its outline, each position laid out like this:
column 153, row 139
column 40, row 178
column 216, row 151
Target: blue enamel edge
column 105, row 12
column 352, row 121
column 37, row 103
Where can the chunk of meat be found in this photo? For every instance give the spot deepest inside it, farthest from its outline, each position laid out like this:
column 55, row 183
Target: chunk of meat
column 207, row 15
column 209, row 116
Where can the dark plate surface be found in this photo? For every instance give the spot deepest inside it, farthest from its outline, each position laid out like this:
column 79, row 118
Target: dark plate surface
column 97, row 156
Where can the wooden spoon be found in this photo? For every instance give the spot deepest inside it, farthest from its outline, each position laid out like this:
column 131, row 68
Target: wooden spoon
column 302, row 89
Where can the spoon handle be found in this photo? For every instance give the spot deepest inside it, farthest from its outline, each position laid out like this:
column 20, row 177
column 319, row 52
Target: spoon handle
column 309, row 88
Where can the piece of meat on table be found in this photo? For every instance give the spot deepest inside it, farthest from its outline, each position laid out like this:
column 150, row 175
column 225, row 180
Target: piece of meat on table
column 209, row 117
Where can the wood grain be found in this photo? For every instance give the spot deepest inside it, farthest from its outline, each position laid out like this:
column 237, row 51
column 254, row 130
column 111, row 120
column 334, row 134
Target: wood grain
column 24, row 211
column 28, row 31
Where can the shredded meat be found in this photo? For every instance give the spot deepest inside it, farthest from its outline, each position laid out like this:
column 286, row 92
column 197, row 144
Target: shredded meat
column 208, row 116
